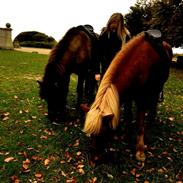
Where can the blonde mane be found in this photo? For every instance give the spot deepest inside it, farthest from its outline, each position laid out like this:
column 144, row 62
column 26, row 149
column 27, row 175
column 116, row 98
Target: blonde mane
column 107, row 101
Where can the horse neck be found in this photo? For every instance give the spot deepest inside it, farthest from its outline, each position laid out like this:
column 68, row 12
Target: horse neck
column 125, row 54
column 134, row 59
column 60, row 59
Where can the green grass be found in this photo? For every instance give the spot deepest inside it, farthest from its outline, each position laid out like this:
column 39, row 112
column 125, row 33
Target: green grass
column 43, row 152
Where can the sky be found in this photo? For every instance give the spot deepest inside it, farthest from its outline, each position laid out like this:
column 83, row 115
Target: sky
column 55, row 17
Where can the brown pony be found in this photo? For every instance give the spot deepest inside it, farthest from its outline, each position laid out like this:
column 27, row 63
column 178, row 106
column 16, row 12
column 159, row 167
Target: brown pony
column 137, row 73
column 74, row 53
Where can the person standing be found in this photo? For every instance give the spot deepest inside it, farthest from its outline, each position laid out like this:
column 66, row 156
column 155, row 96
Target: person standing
column 111, row 39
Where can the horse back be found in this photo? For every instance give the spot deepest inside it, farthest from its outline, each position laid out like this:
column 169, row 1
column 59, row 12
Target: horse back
column 139, row 65
column 74, row 47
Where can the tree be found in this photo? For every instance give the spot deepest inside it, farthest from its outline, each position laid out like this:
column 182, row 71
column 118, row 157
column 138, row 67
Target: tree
column 165, row 15
column 175, row 29
column 134, row 20
column 35, row 39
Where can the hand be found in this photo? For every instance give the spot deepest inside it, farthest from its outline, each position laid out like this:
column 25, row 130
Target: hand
column 97, row 77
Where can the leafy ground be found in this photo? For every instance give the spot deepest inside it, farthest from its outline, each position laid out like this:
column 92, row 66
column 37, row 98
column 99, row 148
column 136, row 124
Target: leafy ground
column 34, row 150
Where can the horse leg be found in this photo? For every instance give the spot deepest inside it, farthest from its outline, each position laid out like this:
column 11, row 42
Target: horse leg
column 80, row 89
column 90, row 87
column 128, row 118
column 65, row 91
column 152, row 107
column 59, row 112
column 152, row 113
column 140, row 155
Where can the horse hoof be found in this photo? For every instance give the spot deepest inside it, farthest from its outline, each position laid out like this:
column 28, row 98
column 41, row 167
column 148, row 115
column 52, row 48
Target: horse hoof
column 140, row 156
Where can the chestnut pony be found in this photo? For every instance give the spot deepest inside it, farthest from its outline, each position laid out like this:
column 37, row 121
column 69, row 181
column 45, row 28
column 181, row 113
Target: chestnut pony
column 137, row 73
column 74, row 53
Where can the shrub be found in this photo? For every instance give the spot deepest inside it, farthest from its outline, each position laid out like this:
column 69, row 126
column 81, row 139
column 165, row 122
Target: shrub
column 35, row 39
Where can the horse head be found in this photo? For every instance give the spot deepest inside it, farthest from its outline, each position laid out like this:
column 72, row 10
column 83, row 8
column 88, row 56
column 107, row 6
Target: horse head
column 53, row 89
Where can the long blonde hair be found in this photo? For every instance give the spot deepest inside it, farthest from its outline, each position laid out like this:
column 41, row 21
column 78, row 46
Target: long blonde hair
column 122, row 31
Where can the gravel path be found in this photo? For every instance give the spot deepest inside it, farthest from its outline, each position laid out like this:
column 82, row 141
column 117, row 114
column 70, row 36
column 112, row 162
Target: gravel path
column 34, row 50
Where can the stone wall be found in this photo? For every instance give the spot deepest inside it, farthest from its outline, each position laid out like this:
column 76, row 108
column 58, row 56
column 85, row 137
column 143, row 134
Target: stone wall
column 5, row 38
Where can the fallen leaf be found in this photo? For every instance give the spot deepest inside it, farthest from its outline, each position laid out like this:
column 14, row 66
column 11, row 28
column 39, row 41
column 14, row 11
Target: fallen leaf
column 38, row 175
column 27, row 121
column 62, row 161
column 7, row 160
column 4, row 153
column 110, row 176
column 24, row 154
column 171, row 118
column 63, row 173
column 36, row 158
column 162, row 170
column 26, row 111
column 6, row 114
column 137, row 175
column 76, row 144
column 44, row 137
column 49, row 132
column 146, row 181
column 78, row 153
column 80, row 166
column 94, row 179
column 25, row 165
column 46, row 162
column 27, row 161
column 30, row 148
column 46, row 114
column 15, row 179
column 133, row 171
column 71, row 180
column 112, row 149
column 5, row 118
column 68, row 156
column 165, row 153
column 124, row 173
column 81, row 171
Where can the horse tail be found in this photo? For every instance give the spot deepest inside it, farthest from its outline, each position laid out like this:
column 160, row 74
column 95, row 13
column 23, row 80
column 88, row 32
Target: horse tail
column 106, row 104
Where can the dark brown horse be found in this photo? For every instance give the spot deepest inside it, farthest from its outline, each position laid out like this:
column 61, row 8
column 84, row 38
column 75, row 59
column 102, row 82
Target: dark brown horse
column 74, row 53
column 137, row 73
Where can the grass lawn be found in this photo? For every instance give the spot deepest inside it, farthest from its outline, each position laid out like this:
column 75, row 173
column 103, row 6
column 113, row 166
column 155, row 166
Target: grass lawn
column 34, row 150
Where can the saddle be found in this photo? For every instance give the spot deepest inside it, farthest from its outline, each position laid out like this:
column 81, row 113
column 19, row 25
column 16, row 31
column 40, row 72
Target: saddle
column 154, row 37
column 88, row 29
